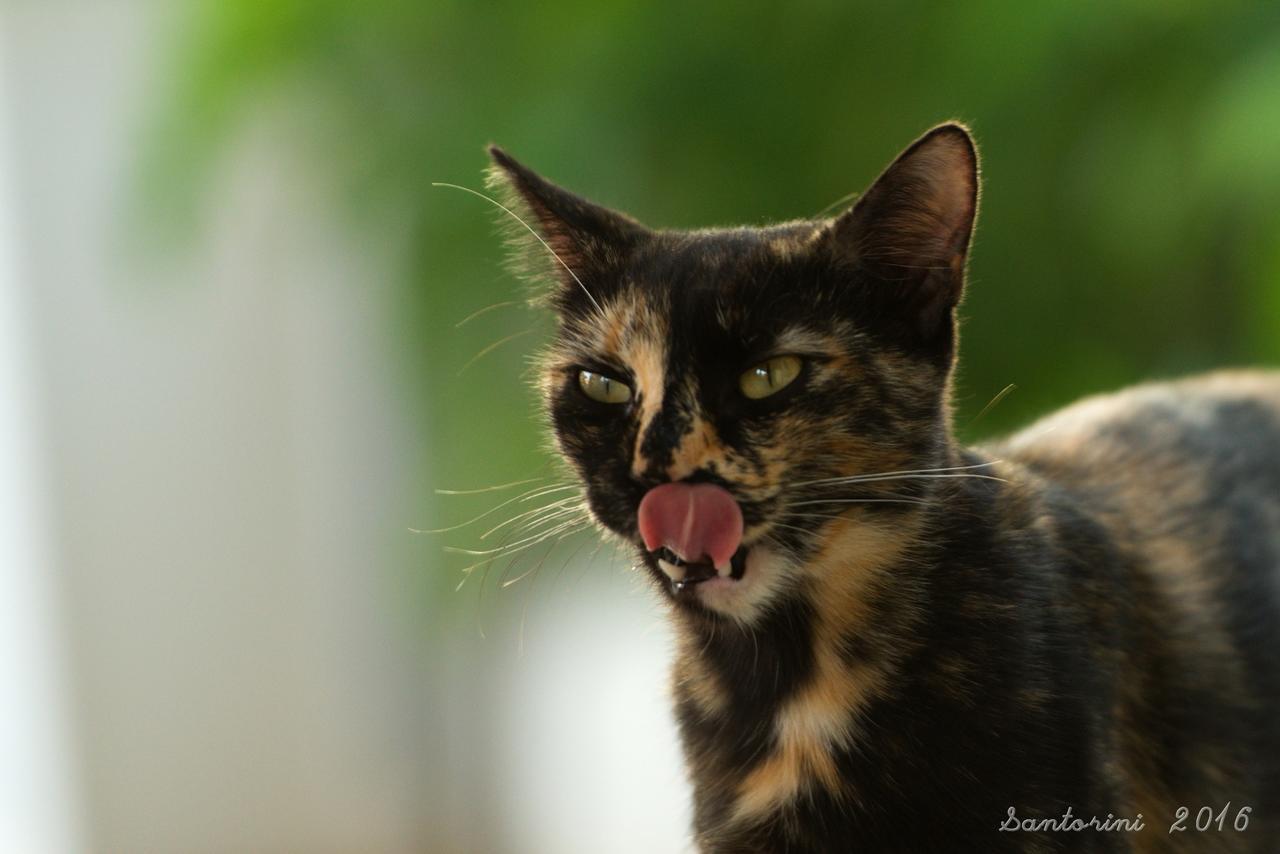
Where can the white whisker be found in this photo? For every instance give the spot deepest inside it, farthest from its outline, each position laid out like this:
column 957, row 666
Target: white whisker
column 530, row 229
column 488, row 308
column 500, row 486
column 789, row 515
column 794, row 527
column 562, row 514
column 495, row 345
column 994, row 402
column 528, row 496
column 920, row 502
column 507, row 582
column 857, row 479
column 518, row 545
column 545, row 508
column 872, row 476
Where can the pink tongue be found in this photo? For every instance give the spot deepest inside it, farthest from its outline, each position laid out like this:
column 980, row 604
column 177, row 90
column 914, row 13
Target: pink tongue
column 697, row 521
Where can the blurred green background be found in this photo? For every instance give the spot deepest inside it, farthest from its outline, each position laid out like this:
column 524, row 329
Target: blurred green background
column 232, row 306
column 1130, row 221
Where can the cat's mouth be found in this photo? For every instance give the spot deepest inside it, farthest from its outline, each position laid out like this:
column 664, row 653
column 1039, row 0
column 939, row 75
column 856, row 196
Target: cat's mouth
column 694, row 533
column 685, row 575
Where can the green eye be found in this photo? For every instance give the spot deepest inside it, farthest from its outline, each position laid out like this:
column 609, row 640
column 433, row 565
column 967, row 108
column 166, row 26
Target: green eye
column 603, row 388
column 769, row 377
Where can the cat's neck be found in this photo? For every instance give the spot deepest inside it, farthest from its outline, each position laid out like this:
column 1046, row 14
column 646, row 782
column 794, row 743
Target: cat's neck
column 790, row 686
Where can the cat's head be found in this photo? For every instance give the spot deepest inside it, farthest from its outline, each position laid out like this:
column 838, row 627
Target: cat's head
column 724, row 394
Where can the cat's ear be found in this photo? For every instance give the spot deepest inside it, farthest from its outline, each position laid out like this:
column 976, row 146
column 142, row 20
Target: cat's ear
column 910, row 231
column 584, row 237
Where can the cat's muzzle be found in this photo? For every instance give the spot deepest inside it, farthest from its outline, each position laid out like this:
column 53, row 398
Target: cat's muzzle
column 694, row 530
column 686, row 575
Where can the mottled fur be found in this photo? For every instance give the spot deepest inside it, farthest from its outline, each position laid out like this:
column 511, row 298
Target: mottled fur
column 1086, row 615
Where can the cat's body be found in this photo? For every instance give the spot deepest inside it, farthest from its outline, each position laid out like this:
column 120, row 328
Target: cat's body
column 887, row 641
column 1097, row 630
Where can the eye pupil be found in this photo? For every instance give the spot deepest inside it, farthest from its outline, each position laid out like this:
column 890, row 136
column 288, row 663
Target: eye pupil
column 602, row 388
column 769, row 376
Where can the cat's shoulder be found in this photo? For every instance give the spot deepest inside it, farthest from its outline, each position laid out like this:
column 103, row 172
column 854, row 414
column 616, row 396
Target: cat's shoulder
column 1183, row 416
column 1162, row 454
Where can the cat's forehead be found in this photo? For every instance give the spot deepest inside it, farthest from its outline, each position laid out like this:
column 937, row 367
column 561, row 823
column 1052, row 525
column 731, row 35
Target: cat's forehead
column 740, row 277
column 641, row 324
column 720, row 256
column 729, row 291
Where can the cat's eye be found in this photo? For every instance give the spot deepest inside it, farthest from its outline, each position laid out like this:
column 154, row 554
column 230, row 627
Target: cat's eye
column 603, row 388
column 769, row 377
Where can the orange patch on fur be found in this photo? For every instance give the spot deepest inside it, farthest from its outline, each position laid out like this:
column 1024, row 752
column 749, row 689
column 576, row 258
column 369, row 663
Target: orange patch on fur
column 647, row 360
column 823, row 717
column 782, row 777
column 698, row 682
column 697, row 447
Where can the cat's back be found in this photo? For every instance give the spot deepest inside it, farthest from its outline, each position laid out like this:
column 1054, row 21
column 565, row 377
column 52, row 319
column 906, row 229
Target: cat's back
column 1203, row 446
column 1185, row 478
column 1186, row 474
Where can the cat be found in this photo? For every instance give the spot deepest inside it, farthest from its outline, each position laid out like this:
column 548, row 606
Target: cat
column 1068, row 640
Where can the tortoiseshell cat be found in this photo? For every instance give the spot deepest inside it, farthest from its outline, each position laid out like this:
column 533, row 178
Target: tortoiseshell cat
column 887, row 641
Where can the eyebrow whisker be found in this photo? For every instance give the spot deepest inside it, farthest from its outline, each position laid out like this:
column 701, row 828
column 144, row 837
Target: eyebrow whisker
column 529, row 228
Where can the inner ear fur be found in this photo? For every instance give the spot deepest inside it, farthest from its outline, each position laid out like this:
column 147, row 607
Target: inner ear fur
column 911, row 230
column 584, row 236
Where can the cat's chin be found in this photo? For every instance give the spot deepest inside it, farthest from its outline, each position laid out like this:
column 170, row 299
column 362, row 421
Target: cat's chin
column 745, row 598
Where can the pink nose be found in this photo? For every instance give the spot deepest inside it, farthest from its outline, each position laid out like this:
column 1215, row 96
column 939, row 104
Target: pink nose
column 696, row 521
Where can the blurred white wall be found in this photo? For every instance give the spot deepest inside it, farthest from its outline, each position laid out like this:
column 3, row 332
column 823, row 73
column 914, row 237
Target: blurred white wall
column 39, row 807
column 225, row 454
column 219, row 650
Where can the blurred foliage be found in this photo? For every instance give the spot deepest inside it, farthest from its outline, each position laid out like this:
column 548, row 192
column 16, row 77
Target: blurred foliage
column 1130, row 222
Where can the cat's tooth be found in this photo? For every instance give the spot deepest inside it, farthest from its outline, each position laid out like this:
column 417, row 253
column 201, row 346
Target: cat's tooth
column 725, row 569
column 675, row 573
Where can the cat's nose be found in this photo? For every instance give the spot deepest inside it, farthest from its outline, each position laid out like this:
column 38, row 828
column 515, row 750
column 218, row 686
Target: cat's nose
column 674, row 449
